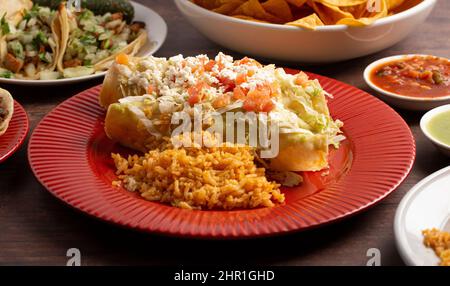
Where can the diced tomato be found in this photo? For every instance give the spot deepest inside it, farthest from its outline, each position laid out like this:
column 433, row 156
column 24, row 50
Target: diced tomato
column 221, row 101
column 227, row 83
column 195, row 93
column 122, row 59
column 258, row 105
column 239, row 93
column 248, row 61
column 12, row 63
column 259, row 99
column 150, row 89
column 267, row 106
column 249, row 105
column 427, row 75
column 193, row 99
column 263, row 91
column 209, row 65
column 241, row 78
column 411, row 73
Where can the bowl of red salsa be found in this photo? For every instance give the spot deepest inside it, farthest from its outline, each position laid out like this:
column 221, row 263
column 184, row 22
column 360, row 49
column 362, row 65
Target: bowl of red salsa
column 416, row 82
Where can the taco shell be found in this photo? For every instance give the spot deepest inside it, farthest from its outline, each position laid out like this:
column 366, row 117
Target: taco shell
column 14, row 9
column 7, row 110
column 55, row 28
column 67, row 26
column 115, row 85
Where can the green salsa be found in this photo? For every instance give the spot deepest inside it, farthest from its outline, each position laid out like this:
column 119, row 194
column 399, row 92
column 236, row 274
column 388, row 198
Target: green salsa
column 439, row 127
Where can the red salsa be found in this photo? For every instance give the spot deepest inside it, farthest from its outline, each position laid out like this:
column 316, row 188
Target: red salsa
column 427, row 77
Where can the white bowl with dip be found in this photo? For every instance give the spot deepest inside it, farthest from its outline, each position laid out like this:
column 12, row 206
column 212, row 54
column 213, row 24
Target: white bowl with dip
column 435, row 124
column 401, row 100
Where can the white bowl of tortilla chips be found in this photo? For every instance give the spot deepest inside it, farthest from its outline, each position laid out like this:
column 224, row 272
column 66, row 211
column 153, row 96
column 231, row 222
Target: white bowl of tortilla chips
column 314, row 31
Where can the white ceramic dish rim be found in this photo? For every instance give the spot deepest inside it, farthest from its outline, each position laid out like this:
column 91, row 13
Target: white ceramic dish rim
column 155, row 48
column 387, row 20
column 427, row 117
column 372, row 66
column 401, row 240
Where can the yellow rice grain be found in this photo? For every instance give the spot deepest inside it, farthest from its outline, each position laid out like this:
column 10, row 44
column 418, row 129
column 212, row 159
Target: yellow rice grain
column 439, row 241
column 224, row 177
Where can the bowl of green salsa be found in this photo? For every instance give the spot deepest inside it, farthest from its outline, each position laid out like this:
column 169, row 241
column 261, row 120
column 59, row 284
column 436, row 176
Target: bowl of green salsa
column 435, row 124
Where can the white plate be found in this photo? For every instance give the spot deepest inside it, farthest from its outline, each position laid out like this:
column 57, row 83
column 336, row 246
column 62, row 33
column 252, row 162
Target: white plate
column 427, row 205
column 399, row 100
column 324, row 45
column 157, row 31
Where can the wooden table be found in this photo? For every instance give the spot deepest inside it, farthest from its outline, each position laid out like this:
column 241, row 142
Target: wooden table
column 37, row 229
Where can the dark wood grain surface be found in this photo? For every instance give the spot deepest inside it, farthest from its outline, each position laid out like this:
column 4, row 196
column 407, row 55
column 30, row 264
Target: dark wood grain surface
column 37, row 229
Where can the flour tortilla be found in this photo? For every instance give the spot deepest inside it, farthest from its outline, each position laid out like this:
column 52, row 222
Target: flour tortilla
column 14, row 9
column 7, row 103
column 115, row 87
column 56, row 34
column 132, row 49
column 3, row 49
column 64, row 19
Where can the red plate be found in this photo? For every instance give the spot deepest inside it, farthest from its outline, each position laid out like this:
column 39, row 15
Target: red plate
column 70, row 155
column 16, row 133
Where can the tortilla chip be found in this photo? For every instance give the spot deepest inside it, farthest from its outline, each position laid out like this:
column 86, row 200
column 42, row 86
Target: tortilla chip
column 392, row 4
column 209, row 4
column 358, row 11
column 279, row 8
column 366, row 20
column 300, row 12
column 329, row 14
column 407, row 4
column 243, row 17
column 297, row 3
column 228, row 7
column 310, row 22
column 342, row 3
column 254, row 9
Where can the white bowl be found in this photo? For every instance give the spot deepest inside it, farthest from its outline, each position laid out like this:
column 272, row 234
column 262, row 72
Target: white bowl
column 288, row 43
column 444, row 148
column 403, row 101
column 425, row 206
